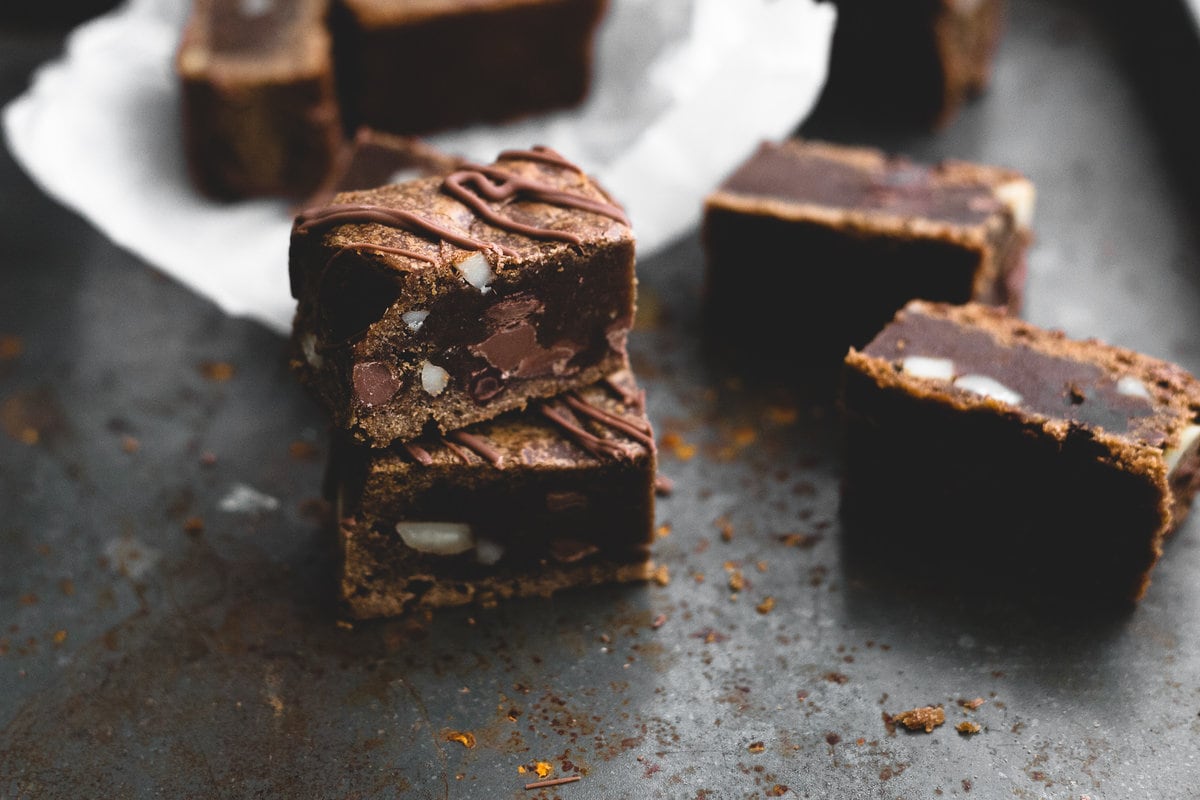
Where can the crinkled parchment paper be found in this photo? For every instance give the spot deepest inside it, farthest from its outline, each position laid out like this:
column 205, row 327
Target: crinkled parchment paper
column 683, row 91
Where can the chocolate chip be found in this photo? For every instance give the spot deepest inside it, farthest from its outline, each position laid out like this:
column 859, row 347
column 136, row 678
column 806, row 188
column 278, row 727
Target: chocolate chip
column 485, row 384
column 374, row 383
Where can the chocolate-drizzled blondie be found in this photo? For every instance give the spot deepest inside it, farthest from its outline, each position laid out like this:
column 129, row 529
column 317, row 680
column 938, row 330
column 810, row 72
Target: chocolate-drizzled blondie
column 445, row 301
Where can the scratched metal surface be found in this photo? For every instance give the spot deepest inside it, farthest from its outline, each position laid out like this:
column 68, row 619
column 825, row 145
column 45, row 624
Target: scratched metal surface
column 153, row 644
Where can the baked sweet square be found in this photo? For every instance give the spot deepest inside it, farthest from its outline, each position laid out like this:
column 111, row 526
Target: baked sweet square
column 1016, row 456
column 555, row 496
column 445, row 301
column 915, row 62
column 374, row 158
column 259, row 111
column 427, row 65
column 857, row 234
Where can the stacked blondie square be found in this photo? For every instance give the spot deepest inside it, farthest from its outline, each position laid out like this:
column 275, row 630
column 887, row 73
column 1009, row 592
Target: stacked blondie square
column 467, row 334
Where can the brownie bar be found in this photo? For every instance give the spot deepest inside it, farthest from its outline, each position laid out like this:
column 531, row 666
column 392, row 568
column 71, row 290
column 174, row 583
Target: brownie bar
column 558, row 495
column 985, row 442
column 446, row 301
column 862, row 233
column 259, row 112
column 374, row 158
column 417, row 67
column 912, row 62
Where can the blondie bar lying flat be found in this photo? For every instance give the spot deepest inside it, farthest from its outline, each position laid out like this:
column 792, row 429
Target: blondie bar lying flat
column 558, row 495
column 861, row 234
column 448, row 300
column 424, row 65
column 912, row 62
column 259, row 112
column 1015, row 452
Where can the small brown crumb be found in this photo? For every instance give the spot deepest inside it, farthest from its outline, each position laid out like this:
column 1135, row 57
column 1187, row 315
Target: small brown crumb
column 659, row 621
column 766, row 605
column 543, row 768
column 552, row 782
column 663, row 531
column 465, row 738
column 971, row 705
column 782, row 415
column 661, row 575
column 193, row 526
column 29, row 599
column 11, row 346
column 344, row 625
column 968, row 728
column 836, row 677
column 60, row 636
column 710, row 636
column 130, row 445
column 67, row 587
column 725, row 527
column 761, row 566
column 216, row 371
column 675, row 443
column 303, row 451
column 778, row 790
column 698, row 577
column 925, row 717
column 756, row 747
column 802, row 540
column 736, row 581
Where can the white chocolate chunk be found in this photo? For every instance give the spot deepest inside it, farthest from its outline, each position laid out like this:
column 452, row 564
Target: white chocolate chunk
column 488, row 552
column 434, row 379
column 414, row 319
column 1019, row 197
column 477, row 271
column 925, row 367
column 988, row 387
column 437, row 538
column 255, row 8
column 308, row 343
column 1173, row 455
column 1132, row 387
column 404, row 175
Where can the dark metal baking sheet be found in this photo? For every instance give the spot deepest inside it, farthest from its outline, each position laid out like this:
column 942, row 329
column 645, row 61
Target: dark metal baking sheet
column 143, row 655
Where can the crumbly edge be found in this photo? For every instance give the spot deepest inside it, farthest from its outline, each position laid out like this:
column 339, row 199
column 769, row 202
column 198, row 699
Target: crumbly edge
column 365, row 600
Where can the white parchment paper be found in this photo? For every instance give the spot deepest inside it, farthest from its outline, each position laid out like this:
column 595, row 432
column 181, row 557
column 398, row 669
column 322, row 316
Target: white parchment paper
column 683, row 91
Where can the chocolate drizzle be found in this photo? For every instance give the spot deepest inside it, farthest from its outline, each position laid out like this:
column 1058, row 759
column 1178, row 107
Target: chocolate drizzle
column 418, row 453
column 356, row 213
column 479, row 446
column 475, row 186
column 640, row 433
column 379, row 248
column 599, row 447
column 542, row 154
column 567, row 413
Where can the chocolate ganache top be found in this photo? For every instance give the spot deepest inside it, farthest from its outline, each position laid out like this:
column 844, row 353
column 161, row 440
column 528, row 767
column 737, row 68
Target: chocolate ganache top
column 863, row 181
column 526, row 195
column 1039, row 372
